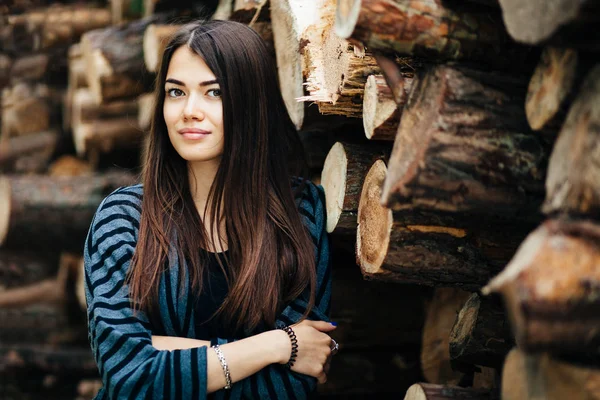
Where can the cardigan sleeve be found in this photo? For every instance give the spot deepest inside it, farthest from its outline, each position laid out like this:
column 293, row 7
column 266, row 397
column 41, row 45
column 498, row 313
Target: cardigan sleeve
column 130, row 367
column 276, row 381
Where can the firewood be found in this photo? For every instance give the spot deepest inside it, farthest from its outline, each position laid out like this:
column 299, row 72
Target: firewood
column 85, row 110
column 76, row 80
column 105, row 135
column 381, row 114
column 464, row 146
column 224, row 9
column 32, row 67
column 429, row 29
column 145, row 111
column 335, row 75
column 428, row 391
column 41, row 144
column 481, row 334
column 424, row 247
column 342, row 178
column 572, row 181
column 551, row 307
column 68, row 165
column 544, row 377
column 115, row 61
column 155, row 40
column 21, row 268
column 564, row 23
column 32, row 324
column 125, row 10
column 250, row 11
column 5, row 66
column 72, row 360
column 20, row 103
column 52, row 27
column 439, row 319
column 52, row 212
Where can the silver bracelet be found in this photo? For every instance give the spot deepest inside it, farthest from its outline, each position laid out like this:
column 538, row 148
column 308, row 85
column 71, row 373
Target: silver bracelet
column 223, row 365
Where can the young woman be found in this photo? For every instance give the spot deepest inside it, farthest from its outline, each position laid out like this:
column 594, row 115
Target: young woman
column 190, row 275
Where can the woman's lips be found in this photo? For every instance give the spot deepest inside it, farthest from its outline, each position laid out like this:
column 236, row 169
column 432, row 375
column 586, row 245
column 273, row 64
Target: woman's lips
column 189, row 133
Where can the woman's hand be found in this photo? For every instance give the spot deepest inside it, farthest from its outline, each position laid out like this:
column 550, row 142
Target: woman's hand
column 313, row 348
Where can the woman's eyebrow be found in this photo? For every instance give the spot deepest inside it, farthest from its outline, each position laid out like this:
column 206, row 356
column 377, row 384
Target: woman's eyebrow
column 205, row 83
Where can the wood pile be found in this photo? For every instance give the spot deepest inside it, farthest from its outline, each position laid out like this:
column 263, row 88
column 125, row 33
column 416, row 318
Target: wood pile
column 455, row 143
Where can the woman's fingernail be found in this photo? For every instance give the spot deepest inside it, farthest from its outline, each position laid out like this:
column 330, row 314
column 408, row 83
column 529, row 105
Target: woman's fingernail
column 333, row 323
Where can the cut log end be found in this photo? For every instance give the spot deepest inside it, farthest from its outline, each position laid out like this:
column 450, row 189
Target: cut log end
column 378, row 107
column 5, row 202
column 346, row 17
column 374, row 221
column 334, row 183
column 465, row 323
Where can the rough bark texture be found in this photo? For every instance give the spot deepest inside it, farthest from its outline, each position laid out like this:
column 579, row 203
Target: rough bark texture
column 52, row 213
column 553, row 308
column 85, row 110
column 561, row 22
column 77, row 361
column 32, row 67
column 543, row 377
column 422, row 247
column 464, row 146
column 19, row 103
column 155, row 40
column 481, row 334
column 16, row 152
column 440, row 317
column 250, row 11
column 429, row 29
column 428, row 391
column 145, row 111
column 573, row 172
column 20, row 268
column 342, row 178
column 106, row 135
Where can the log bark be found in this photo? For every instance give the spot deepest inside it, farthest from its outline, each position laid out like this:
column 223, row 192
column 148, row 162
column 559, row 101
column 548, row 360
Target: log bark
column 563, row 23
column 34, row 324
column 5, row 67
column 76, row 80
column 439, row 319
column 381, row 114
column 32, row 67
column 15, row 152
column 424, row 247
column 52, row 213
column 553, row 308
column 429, row 29
column 155, row 40
column 464, row 146
column 543, row 377
column 551, row 87
column 51, row 27
column 250, row 11
column 115, row 60
column 106, row 135
column 342, row 178
column 573, row 173
column 20, row 268
column 428, row 391
column 125, row 10
column 73, row 360
column 85, row 109
column 19, row 103
column 145, row 111
column 481, row 335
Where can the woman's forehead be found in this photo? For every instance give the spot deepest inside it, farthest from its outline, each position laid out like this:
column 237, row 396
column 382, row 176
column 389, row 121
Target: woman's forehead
column 189, row 68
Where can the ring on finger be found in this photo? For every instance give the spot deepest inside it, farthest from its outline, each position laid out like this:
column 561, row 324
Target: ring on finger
column 334, row 347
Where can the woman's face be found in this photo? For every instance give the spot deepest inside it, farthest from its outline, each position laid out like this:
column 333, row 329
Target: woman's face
column 193, row 110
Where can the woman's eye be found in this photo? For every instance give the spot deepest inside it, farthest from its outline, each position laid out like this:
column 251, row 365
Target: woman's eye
column 214, row 92
column 175, row 92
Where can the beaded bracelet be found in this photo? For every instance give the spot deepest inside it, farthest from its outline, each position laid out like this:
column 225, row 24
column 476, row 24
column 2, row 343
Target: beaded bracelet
column 223, row 365
column 292, row 336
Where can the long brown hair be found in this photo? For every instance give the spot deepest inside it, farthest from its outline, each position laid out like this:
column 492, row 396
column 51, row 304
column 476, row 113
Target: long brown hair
column 271, row 255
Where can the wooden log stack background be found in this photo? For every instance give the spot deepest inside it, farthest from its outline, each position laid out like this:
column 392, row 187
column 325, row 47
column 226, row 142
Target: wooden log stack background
column 455, row 140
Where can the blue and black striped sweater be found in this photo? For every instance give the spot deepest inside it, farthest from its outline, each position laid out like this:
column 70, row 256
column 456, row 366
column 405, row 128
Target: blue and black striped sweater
column 130, row 367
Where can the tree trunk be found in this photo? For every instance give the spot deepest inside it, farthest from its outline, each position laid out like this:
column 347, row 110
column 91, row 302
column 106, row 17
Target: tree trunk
column 429, row 29
column 573, row 172
column 424, row 247
column 14, row 151
column 115, row 60
column 52, row 213
column 481, row 335
column 540, row 377
column 428, row 391
column 440, row 317
column 553, row 308
column 564, row 23
column 19, row 103
column 381, row 114
column 464, row 146
column 51, row 27
column 155, row 40
column 343, row 175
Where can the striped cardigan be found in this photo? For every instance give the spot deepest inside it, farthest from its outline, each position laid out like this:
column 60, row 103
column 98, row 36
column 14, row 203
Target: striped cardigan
column 129, row 365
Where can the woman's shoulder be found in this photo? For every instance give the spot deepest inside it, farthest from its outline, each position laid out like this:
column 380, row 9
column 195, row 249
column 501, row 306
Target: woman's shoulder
column 122, row 206
column 310, row 200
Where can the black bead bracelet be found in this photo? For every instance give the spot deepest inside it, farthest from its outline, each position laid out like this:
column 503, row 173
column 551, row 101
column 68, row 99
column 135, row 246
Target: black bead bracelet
column 292, row 336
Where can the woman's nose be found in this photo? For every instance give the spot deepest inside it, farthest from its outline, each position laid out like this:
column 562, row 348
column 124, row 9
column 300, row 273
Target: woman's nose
column 193, row 109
